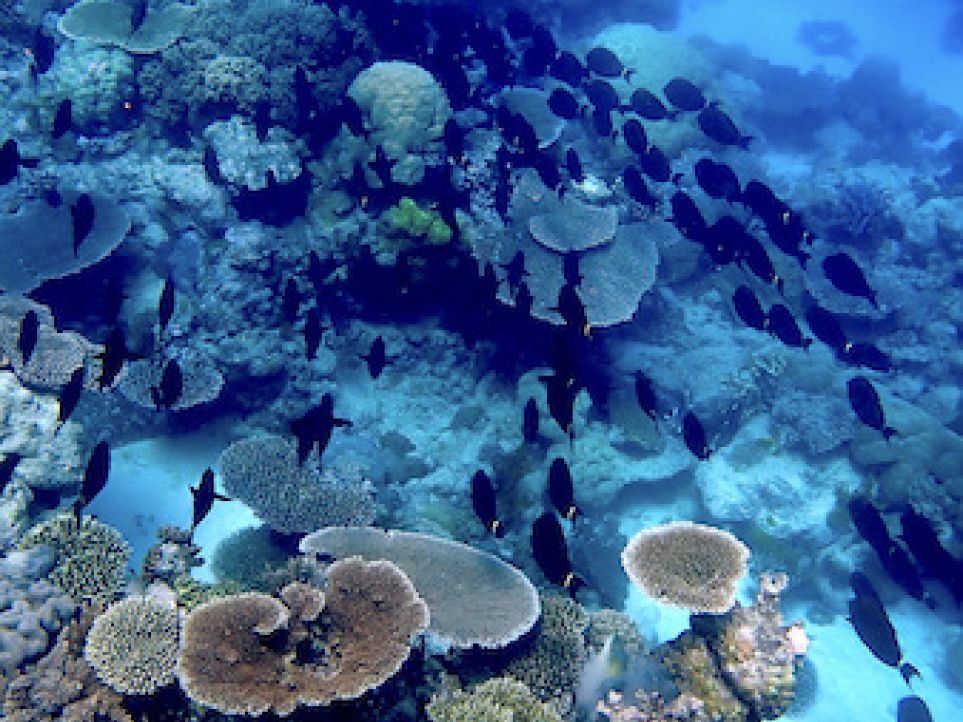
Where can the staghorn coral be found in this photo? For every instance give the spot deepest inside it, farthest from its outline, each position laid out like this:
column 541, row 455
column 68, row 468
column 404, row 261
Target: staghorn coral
column 89, row 561
column 550, row 667
column 263, row 472
column 31, row 608
column 62, row 687
column 251, row 653
column 133, row 645
column 687, row 565
column 475, row 598
column 495, row 700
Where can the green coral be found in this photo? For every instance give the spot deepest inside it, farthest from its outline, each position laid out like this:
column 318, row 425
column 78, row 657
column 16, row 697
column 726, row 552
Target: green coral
column 409, row 219
column 89, row 561
column 497, row 700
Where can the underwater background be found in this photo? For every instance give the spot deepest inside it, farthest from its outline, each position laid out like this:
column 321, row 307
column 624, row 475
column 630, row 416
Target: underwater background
column 375, row 360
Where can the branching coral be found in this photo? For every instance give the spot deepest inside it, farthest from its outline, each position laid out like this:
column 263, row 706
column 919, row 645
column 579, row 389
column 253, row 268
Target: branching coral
column 496, row 700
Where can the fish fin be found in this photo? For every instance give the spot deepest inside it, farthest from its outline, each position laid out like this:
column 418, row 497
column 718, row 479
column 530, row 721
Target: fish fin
column 221, row 497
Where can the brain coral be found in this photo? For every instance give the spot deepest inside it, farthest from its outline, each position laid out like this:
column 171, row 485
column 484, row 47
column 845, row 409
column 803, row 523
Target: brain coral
column 687, row 565
column 133, row 645
column 405, row 110
column 475, row 598
column 264, row 473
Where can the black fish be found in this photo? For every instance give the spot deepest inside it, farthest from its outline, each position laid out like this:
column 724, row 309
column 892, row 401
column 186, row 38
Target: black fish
column 454, row 139
column 719, row 127
column 290, row 301
column 655, row 164
column 517, row 132
column 530, row 421
column 870, row 525
column 723, row 240
column 7, row 466
column 868, row 356
column 313, row 331
column 70, row 396
column 551, row 553
column 29, row 333
column 168, row 392
column 95, row 477
column 788, row 237
column 687, row 217
column 563, row 104
column 351, row 116
column 204, row 498
column 382, row 166
column 717, row 179
column 570, row 269
column 844, row 273
column 637, row 188
column 862, row 587
column 694, row 436
column 318, row 270
column 523, row 299
column 568, row 68
column 826, row 327
column 515, row 270
column 82, row 214
column 572, row 310
column 574, row 166
column 873, row 627
column 645, row 395
column 63, row 119
column 212, row 167
column 165, row 304
column 602, row 122
column 112, row 299
column 753, row 254
column 605, row 63
column 900, row 567
column 539, row 55
column 483, row 502
column 782, row 325
column 113, row 356
column 560, row 394
column 11, row 162
column 912, row 709
column 924, row 544
column 866, row 405
column 684, row 95
column 602, row 95
column 519, row 24
column 749, row 310
column 42, row 51
column 561, row 490
column 634, row 134
column 316, row 427
column 648, row 106
column 376, row 359
column 544, row 164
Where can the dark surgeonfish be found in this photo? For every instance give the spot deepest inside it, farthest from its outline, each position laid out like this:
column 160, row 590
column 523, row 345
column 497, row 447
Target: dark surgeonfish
column 376, row 358
column 694, row 435
column 28, row 335
column 749, row 310
column 684, row 95
column 718, row 126
column 874, row 628
column 603, row 62
column 551, row 553
column 865, row 403
column 82, row 213
column 563, row 104
column 655, row 164
column 560, row 394
column 561, row 490
column 315, row 427
column 572, row 310
column 846, row 275
column 634, row 135
column 912, row 709
column 524, row 299
column 95, row 477
column 935, row 561
column 648, row 106
column 782, row 325
column 602, row 123
column 290, row 301
column 165, row 304
column 8, row 464
column 570, row 269
column 113, row 357
column 171, row 386
column 204, row 498
column 42, row 51
column 573, row 165
column 568, row 68
column 687, row 217
column 313, row 332
column 518, row 24
column 645, row 396
column 637, row 188
column 602, row 95
column 753, row 254
column 70, row 396
column 63, row 119
column 717, row 179
column 483, row 503
column 868, row 356
column 870, row 525
column 827, row 328
column 901, row 569
column 11, row 161
column 530, row 421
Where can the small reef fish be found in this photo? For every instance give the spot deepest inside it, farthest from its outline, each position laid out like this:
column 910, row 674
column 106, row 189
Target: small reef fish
column 168, row 392
column 645, row 396
column 561, row 490
column 572, row 310
column 165, row 304
column 846, row 275
column 568, row 68
column 563, row 104
column 634, row 135
column 574, row 166
column 687, row 217
column 204, row 497
column 290, row 301
column 82, row 213
column 70, row 396
column 95, row 477
column 11, row 161
column 484, row 505
column 637, row 188
column 865, row 403
column 684, row 95
column 655, row 164
column 28, row 335
column 717, row 179
column 694, row 435
column 530, row 421
column 315, row 427
column 924, row 544
column 868, row 356
column 551, row 553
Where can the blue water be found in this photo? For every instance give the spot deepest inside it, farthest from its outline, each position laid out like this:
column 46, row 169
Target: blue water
column 362, row 171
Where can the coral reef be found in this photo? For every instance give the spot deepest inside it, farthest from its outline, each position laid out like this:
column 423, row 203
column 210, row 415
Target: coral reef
column 475, row 598
column 238, row 653
column 173, row 556
column 249, row 557
column 202, row 381
column 244, row 160
column 32, row 609
column 103, row 22
column 264, row 473
column 133, row 645
column 410, row 224
column 495, row 700
column 687, row 565
column 89, row 561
